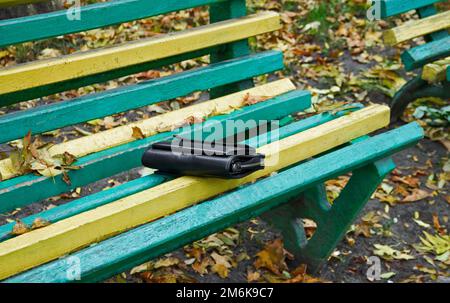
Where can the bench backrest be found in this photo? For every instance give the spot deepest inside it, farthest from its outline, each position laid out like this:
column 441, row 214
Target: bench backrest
column 433, row 25
column 232, row 69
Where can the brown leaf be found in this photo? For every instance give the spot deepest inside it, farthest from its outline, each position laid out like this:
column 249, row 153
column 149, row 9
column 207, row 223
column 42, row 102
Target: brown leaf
column 39, row 223
column 202, row 267
column 167, row 262
column 66, row 178
column 137, row 133
column 250, row 100
column 68, row 158
column 417, row 195
column 20, row 228
column 437, row 225
column 253, row 276
column 221, row 270
column 150, row 277
column 272, row 257
column 408, row 180
column 223, row 260
column 299, row 275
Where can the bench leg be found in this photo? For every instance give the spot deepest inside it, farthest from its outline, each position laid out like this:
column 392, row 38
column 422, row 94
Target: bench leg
column 333, row 221
column 413, row 90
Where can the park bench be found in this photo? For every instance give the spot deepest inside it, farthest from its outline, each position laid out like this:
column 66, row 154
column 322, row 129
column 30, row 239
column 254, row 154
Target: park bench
column 156, row 214
column 432, row 57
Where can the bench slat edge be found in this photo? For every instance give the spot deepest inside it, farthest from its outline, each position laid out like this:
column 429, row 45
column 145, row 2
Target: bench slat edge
column 426, row 53
column 417, row 28
column 396, row 7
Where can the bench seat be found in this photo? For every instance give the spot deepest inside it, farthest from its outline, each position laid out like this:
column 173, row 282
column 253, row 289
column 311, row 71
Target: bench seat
column 366, row 159
column 431, row 56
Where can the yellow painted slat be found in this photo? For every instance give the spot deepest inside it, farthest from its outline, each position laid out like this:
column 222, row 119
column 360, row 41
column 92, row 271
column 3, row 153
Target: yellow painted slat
column 42, row 245
column 417, row 28
column 436, row 71
column 123, row 134
column 82, row 64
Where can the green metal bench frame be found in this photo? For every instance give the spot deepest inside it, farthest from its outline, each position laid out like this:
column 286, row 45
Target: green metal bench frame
column 437, row 47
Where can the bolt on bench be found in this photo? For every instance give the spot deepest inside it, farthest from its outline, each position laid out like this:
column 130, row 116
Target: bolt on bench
column 155, row 214
column 432, row 57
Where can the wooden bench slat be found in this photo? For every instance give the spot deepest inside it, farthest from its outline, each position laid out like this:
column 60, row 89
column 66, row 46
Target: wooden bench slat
column 82, row 64
column 49, row 89
column 436, row 71
column 93, row 16
column 139, row 245
column 90, row 107
column 124, row 134
column 42, row 245
column 30, row 188
column 426, row 53
column 101, row 198
column 395, row 7
column 417, row 28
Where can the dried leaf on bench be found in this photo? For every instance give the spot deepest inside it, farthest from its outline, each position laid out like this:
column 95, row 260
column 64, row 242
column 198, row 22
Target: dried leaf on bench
column 250, row 100
column 19, row 228
column 137, row 133
column 39, row 223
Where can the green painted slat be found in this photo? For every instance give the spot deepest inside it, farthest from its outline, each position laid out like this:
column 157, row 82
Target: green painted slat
column 426, row 53
column 45, row 90
column 90, row 107
column 395, row 7
column 303, row 125
column 101, row 198
column 137, row 246
column 220, row 12
column 448, row 73
column 27, row 189
column 89, row 202
column 97, row 15
column 428, row 11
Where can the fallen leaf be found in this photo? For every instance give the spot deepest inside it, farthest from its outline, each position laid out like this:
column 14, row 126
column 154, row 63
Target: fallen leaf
column 250, row 100
column 253, row 276
column 19, row 228
column 221, row 270
column 387, row 275
column 166, row 262
column 272, row 257
column 137, row 133
column 388, row 253
column 39, row 223
column 417, row 195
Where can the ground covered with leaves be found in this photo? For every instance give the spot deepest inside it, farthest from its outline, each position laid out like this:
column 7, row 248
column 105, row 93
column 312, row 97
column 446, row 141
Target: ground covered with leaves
column 332, row 50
